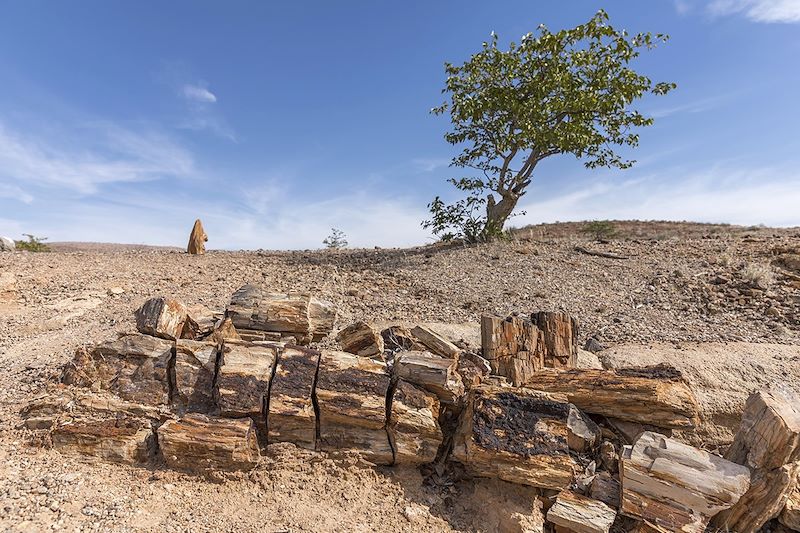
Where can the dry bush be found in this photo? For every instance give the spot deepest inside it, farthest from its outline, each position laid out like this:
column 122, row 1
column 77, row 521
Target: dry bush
column 758, row 275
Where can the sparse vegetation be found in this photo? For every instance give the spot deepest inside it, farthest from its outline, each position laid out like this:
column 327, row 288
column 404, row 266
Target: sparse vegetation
column 33, row 244
column 600, row 230
column 336, row 240
column 758, row 275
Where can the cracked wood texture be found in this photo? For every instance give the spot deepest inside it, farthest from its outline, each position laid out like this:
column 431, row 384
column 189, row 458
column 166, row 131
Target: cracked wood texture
column 351, row 395
column 520, row 436
column 161, row 317
column 655, row 395
column 243, row 379
column 291, row 416
column 431, row 372
column 579, row 514
column 120, row 439
column 199, row 443
column 296, row 314
column 511, row 345
column 675, row 486
column 195, row 366
column 790, row 517
column 435, row 342
column 361, row 339
column 413, row 426
column 133, row 366
column 200, row 322
column 559, row 339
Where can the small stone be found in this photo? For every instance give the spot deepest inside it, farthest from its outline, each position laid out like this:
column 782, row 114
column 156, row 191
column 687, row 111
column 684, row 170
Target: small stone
column 116, row 291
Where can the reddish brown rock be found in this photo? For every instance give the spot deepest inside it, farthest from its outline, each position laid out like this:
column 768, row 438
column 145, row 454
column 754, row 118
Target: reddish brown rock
column 195, row 365
column 511, row 346
column 433, row 373
column 413, row 427
column 243, row 378
column 161, row 317
column 361, row 339
column 121, row 439
column 197, row 239
column 436, row 343
column 291, row 415
column 200, row 322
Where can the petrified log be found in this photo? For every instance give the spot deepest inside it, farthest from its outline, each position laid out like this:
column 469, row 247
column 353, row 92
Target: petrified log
column 199, row 443
column 516, row 435
column 769, row 491
column 225, row 331
column 197, row 239
column 769, row 434
column 120, row 439
column 351, row 396
column 655, row 395
column 300, row 315
column 790, row 517
column 200, row 321
column 676, row 486
column 134, row 366
column 559, row 339
column 580, row 514
column 161, row 317
column 399, row 338
column 431, row 372
column 291, row 416
column 361, row 339
column 254, row 335
column 606, row 489
column 243, row 378
column 435, row 342
column 511, row 347
column 413, row 426
column 195, row 365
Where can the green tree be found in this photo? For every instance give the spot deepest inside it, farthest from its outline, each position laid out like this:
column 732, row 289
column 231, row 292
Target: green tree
column 568, row 92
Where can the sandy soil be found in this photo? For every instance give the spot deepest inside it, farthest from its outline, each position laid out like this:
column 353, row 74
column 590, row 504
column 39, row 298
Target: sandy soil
column 671, row 294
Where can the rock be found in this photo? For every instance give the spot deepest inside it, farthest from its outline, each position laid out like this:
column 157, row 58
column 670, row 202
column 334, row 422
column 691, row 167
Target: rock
column 582, row 434
column 7, row 244
column 195, row 367
column 606, row 489
column 431, row 372
column 199, row 443
column 8, row 287
column 291, row 415
column 593, row 345
column 225, row 331
column 520, row 436
column 352, row 400
column 243, row 378
column 134, row 366
column 116, row 291
column 361, row 339
column 580, row 514
column 790, row 517
column 435, row 342
column 161, row 317
column 675, row 486
column 588, row 360
column 413, row 428
column 559, row 339
column 651, row 395
column 399, row 338
column 609, row 459
column 300, row 315
column 197, row 239
column 511, row 347
column 200, row 321
column 120, row 439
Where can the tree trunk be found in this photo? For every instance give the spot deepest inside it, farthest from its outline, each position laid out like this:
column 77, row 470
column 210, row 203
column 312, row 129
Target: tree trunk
column 498, row 213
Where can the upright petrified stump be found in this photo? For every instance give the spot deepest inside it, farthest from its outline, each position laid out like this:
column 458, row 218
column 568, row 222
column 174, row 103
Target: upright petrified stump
column 511, row 347
column 351, row 394
column 195, row 365
column 197, row 239
column 300, row 315
column 199, row 443
column 435, row 342
column 559, row 338
column 520, row 436
column 291, row 416
column 121, row 439
column 579, row 514
column 675, row 486
column 361, row 339
column 413, row 426
column 650, row 395
column 431, row 372
column 134, row 366
column 161, row 317
column 243, row 378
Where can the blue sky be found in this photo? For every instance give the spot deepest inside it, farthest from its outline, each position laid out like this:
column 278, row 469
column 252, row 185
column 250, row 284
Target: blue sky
column 273, row 122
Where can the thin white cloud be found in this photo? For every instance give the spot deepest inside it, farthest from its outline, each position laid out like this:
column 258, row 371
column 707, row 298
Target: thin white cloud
column 198, row 93
column 758, row 10
column 428, row 164
column 14, row 192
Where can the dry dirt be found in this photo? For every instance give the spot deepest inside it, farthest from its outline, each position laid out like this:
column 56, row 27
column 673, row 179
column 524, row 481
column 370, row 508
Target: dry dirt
column 696, row 296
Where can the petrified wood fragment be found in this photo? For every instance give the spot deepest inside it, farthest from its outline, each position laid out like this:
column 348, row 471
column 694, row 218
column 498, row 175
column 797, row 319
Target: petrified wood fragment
column 296, row 314
column 243, row 379
column 580, row 514
column 121, row 439
column 431, row 372
column 511, row 347
column 351, row 395
column 200, row 321
column 675, row 486
column 361, row 339
column 435, row 342
column 161, row 317
column 790, row 517
column 225, row 331
column 655, row 395
column 413, row 427
column 195, row 366
column 515, row 435
column 291, row 416
column 197, row 239
column 606, row 489
column 134, row 366
column 399, row 338
column 198, row 443
column 559, row 339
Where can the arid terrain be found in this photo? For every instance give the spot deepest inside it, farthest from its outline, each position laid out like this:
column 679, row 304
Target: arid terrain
column 720, row 303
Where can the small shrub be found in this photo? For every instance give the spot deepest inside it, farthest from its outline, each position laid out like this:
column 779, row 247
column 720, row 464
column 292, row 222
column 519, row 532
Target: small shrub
column 33, row 244
column 600, row 230
column 757, row 275
column 336, row 240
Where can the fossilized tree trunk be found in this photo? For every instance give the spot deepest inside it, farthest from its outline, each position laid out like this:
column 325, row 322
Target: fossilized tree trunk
column 197, row 239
